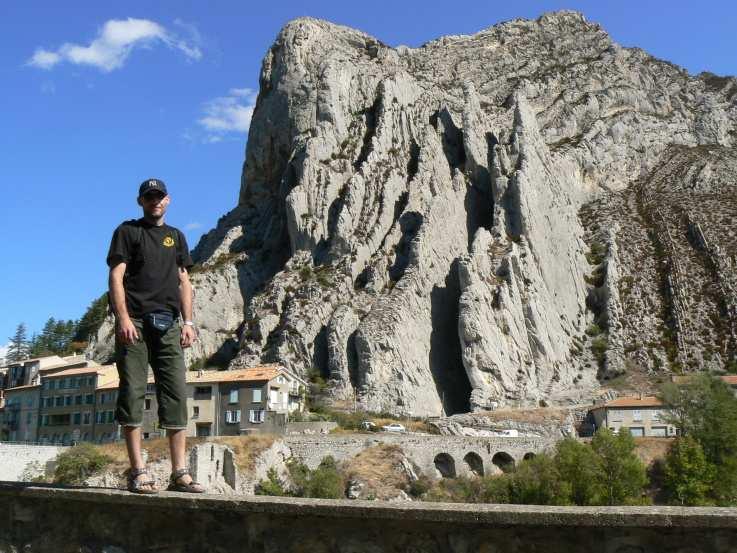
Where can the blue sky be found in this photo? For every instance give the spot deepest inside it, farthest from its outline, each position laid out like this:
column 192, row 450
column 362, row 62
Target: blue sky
column 97, row 96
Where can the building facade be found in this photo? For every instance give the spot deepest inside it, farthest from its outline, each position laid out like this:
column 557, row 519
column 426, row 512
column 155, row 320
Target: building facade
column 642, row 416
column 20, row 416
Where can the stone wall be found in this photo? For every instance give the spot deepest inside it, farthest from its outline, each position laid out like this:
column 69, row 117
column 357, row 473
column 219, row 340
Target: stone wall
column 317, row 427
column 58, row 520
column 461, row 453
column 33, row 460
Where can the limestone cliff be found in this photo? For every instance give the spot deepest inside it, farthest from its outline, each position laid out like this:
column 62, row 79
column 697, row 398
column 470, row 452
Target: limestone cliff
column 464, row 225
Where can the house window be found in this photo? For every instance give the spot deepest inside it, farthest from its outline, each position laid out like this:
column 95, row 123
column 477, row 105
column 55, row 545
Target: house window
column 615, row 415
column 77, row 400
column 636, row 415
column 52, row 384
column 280, row 379
column 44, row 420
column 90, row 381
column 86, row 418
column 233, row 416
column 59, row 401
column 147, row 404
column 151, row 388
column 110, row 416
column 102, row 398
column 77, row 419
column 89, row 399
column 257, row 415
column 274, row 397
column 98, row 417
column 655, row 415
column 68, row 400
column 195, row 412
column 233, row 398
column 28, row 417
column 257, row 395
column 203, row 391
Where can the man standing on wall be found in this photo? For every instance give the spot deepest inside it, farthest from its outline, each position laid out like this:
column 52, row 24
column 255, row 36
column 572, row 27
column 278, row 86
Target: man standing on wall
column 149, row 289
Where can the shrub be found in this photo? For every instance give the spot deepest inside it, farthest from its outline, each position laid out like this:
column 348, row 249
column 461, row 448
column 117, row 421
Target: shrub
column 78, row 463
column 537, row 481
column 687, row 476
column 272, row 485
column 578, row 464
column 622, row 474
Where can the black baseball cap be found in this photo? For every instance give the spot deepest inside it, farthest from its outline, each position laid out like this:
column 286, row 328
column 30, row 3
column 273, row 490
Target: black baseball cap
column 150, row 185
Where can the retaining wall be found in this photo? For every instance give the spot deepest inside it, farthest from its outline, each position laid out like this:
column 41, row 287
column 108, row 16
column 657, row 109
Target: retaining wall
column 61, row 520
column 15, row 459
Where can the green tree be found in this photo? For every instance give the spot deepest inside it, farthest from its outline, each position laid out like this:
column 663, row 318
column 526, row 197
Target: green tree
column 580, row 466
column 687, row 474
column 706, row 410
column 18, row 349
column 623, row 475
column 92, row 319
column 536, row 481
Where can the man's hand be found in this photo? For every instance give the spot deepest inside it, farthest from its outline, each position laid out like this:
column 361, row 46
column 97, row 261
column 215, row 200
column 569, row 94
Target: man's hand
column 188, row 336
column 127, row 332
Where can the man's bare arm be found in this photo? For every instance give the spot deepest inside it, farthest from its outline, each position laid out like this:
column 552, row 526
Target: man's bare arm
column 126, row 329
column 185, row 301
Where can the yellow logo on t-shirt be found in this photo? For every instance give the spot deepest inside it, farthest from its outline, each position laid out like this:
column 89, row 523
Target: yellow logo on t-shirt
column 168, row 241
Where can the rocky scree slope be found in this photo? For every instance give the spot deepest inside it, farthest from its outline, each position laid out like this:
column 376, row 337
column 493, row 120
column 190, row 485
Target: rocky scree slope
column 506, row 218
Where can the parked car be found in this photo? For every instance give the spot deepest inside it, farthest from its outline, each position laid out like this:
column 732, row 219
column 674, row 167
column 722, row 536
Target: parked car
column 393, row 427
column 368, row 425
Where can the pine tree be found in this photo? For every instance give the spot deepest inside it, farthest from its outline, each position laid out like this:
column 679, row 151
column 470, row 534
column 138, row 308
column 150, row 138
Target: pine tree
column 18, row 349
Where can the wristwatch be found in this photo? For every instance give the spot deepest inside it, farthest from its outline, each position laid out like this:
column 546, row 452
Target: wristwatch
column 188, row 323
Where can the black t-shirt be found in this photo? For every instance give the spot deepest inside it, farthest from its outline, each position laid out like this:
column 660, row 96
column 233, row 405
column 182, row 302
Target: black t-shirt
column 152, row 255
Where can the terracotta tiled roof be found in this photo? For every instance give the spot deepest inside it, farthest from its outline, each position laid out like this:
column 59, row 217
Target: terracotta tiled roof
column 730, row 379
column 74, row 372
column 645, row 401
column 251, row 374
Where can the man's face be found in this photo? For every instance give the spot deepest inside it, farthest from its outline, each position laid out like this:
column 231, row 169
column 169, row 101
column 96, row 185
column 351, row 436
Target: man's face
column 154, row 204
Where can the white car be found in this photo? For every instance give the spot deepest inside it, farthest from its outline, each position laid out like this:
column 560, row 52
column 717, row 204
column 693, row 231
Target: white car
column 393, row 427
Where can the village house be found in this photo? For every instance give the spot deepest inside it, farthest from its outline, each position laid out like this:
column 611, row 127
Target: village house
column 230, row 403
column 68, row 407
column 20, row 415
column 642, row 416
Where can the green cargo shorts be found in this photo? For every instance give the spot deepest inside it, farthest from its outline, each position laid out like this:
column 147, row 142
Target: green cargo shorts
column 163, row 351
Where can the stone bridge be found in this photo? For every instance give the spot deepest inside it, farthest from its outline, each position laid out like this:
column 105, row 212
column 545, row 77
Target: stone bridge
column 436, row 456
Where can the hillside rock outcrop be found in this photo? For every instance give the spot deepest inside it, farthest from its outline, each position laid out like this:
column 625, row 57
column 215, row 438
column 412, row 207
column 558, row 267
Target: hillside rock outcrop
column 472, row 223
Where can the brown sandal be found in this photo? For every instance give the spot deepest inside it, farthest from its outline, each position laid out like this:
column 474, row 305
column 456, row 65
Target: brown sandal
column 191, row 487
column 137, row 486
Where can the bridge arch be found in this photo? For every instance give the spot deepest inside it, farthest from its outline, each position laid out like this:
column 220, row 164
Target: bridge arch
column 474, row 463
column 504, row 461
column 445, row 465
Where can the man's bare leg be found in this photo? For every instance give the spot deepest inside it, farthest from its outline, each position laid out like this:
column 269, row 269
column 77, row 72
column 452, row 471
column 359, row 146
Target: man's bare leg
column 177, row 445
column 133, row 445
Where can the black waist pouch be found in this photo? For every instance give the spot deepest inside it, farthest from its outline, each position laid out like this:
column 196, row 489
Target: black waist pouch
column 159, row 320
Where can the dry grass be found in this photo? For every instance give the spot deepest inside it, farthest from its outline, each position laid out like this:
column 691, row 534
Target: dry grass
column 157, row 449
column 380, row 469
column 532, row 416
column 246, row 448
column 650, row 449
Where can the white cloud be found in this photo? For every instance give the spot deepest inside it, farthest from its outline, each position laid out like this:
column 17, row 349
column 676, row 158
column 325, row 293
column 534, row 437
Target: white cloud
column 231, row 113
column 114, row 43
column 192, row 226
